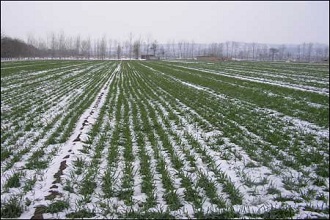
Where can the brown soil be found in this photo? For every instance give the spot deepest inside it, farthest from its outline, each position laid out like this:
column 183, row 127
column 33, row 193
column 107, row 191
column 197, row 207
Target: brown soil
column 53, row 195
column 77, row 139
column 60, row 172
column 85, row 123
column 38, row 212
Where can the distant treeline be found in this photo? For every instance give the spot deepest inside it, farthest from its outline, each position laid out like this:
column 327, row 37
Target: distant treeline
column 61, row 46
column 14, row 48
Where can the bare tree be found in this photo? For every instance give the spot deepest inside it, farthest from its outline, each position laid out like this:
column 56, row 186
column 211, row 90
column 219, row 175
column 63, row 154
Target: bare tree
column 199, row 50
column 109, row 47
column 126, row 49
column 185, row 49
column 61, row 44
column 77, row 46
column 136, row 49
column 130, row 45
column 70, row 47
column 273, row 51
column 162, row 52
column 154, row 47
column 192, row 49
column 32, row 41
column 234, row 47
column 84, row 48
column 220, row 50
column 253, row 49
column 115, row 44
column 180, row 49
column 168, row 49
column 304, row 51
column 212, row 50
column 309, row 51
column 147, row 44
column 257, row 52
column 89, row 47
column 288, row 55
column 227, row 49
column 53, row 43
column 103, row 47
column 298, row 53
column 264, row 54
column 42, row 47
column 144, row 44
column 95, row 50
column 118, row 51
column 173, row 49
column 281, row 52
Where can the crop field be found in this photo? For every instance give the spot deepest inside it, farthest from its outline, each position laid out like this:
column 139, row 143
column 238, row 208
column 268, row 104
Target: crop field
column 164, row 139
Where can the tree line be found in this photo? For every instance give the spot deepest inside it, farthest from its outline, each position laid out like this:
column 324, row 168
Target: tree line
column 61, row 46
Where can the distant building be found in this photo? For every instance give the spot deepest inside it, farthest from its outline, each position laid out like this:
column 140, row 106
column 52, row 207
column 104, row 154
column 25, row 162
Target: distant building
column 212, row 58
column 149, row 57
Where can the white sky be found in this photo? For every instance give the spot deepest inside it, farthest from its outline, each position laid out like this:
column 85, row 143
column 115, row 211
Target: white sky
column 203, row 21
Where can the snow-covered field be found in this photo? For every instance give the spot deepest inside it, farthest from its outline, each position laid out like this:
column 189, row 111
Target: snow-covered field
column 138, row 139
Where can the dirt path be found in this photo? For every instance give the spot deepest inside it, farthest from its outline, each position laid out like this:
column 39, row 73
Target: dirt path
column 52, row 186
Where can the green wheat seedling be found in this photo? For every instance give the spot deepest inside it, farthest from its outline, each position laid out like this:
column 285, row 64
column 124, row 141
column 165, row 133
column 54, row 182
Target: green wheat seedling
column 204, row 129
column 11, row 208
column 14, row 181
column 29, row 183
column 57, row 206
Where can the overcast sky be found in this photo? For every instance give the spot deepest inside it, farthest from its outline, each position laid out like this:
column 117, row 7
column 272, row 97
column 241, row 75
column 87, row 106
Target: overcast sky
column 204, row 22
